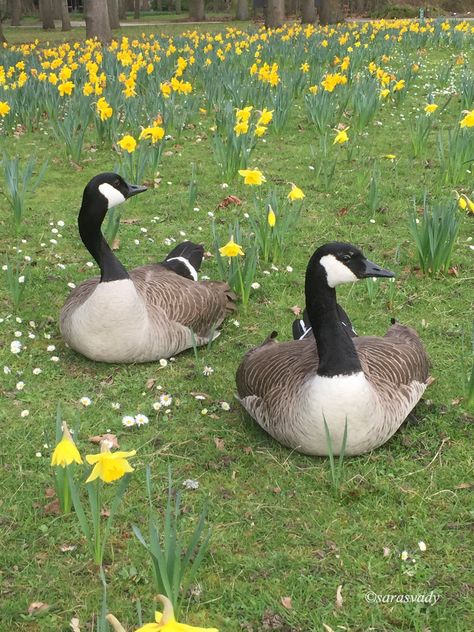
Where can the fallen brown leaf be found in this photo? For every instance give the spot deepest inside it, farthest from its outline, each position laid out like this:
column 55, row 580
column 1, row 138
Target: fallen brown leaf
column 53, row 508
column 116, row 244
column 150, row 383
column 342, row 211
column 230, row 199
column 286, row 603
column 111, row 438
column 129, row 220
column 36, row 607
column 296, row 310
column 219, row 443
column 464, row 486
column 386, row 551
column 65, row 548
column 74, row 625
column 339, row 599
column 50, row 492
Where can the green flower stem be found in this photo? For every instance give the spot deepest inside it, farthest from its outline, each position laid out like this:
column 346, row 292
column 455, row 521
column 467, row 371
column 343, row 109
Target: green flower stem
column 98, row 552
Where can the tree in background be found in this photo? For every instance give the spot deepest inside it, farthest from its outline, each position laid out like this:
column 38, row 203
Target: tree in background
column 62, row 13
column 242, row 10
column 113, row 7
column 97, row 20
column 308, row 11
column 196, row 10
column 330, row 11
column 15, row 9
column 47, row 14
column 274, row 13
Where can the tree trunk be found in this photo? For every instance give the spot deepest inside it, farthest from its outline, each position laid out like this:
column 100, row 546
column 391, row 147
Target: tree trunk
column 274, row 14
column 177, row 8
column 2, row 36
column 242, row 12
column 97, row 20
column 63, row 13
column 196, row 10
column 136, row 10
column 47, row 14
column 114, row 21
column 122, row 8
column 159, row 5
column 15, row 8
column 330, row 12
column 308, row 13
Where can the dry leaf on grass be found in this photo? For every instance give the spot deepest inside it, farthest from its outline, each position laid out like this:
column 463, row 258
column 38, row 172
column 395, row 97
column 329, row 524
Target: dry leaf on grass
column 116, row 244
column 339, row 599
column 36, row 607
column 53, row 508
column 74, row 625
column 296, row 310
column 150, row 383
column 65, row 548
column 463, row 486
column 219, row 443
column 111, row 438
column 327, row 628
column 286, row 603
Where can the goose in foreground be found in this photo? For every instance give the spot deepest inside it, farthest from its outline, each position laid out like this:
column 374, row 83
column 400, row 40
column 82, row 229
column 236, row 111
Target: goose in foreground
column 291, row 389
column 152, row 312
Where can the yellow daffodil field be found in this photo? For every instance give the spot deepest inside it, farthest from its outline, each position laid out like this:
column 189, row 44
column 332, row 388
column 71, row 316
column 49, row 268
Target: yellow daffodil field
column 127, row 481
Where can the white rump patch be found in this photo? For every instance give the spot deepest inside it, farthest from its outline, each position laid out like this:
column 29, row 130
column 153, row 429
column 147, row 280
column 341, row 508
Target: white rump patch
column 192, row 271
column 111, row 194
column 336, row 271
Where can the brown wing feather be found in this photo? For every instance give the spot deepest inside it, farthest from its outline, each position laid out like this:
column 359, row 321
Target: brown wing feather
column 198, row 305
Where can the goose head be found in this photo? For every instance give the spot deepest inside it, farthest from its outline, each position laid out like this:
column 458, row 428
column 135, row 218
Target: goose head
column 106, row 190
column 344, row 263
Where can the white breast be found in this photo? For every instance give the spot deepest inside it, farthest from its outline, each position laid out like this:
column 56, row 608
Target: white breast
column 111, row 325
column 334, row 400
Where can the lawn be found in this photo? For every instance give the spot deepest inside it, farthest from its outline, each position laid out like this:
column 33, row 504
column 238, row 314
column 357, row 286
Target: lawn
column 288, row 551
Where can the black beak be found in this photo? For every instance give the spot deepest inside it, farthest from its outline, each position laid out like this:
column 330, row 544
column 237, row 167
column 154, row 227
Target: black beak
column 134, row 189
column 373, row 270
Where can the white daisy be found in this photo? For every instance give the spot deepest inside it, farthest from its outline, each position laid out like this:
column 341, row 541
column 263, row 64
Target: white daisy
column 422, row 545
column 20, row 386
column 85, row 401
column 163, row 362
column 141, row 420
column 404, row 556
column 165, row 399
column 54, row 359
column 207, row 370
column 24, row 413
column 255, row 286
column 128, row 421
column 225, row 406
column 37, row 371
column 7, row 370
column 115, row 405
column 156, row 406
column 50, row 348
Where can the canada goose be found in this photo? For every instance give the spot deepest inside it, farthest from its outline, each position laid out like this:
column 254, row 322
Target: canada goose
column 152, row 312
column 371, row 382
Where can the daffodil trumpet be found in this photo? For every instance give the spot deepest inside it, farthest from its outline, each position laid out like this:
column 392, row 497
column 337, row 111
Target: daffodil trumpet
column 164, row 621
column 109, row 467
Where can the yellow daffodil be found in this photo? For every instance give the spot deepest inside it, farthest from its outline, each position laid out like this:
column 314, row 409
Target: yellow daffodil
column 66, row 452
column 104, row 110
column 304, row 67
column 465, row 203
column 242, row 127
column 252, row 177
column 260, row 130
column 341, row 137
column 164, row 622
column 243, row 115
column 265, row 117
column 313, row 89
column 154, row 133
column 271, row 217
column 109, row 466
column 296, row 193
column 231, row 249
column 390, row 157
column 66, row 88
column 399, row 85
column 462, row 203
column 430, row 108
column 128, row 143
column 4, row 108
column 384, row 93
column 468, row 120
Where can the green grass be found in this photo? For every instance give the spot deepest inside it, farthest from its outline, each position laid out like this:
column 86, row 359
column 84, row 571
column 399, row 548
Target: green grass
column 278, row 529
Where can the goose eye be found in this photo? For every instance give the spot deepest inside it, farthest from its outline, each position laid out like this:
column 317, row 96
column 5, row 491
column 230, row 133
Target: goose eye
column 346, row 257
column 117, row 183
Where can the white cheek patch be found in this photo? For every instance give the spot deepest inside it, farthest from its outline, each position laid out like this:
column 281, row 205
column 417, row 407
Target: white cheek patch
column 336, row 271
column 111, row 194
column 191, row 269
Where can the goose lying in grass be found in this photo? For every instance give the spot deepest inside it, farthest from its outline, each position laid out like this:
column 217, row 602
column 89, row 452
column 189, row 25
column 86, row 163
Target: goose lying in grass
column 291, row 389
column 152, row 312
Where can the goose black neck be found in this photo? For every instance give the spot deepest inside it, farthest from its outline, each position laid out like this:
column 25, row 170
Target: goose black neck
column 336, row 351
column 90, row 220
